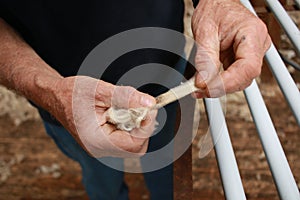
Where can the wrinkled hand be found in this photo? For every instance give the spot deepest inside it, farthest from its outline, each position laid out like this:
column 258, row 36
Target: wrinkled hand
column 81, row 107
column 227, row 33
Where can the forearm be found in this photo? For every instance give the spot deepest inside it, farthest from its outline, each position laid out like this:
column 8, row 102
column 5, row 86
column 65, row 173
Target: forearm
column 22, row 70
column 196, row 2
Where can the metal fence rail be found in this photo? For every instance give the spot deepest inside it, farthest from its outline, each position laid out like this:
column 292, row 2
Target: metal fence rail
column 278, row 163
column 230, row 175
column 281, row 172
column 280, row 72
column 286, row 22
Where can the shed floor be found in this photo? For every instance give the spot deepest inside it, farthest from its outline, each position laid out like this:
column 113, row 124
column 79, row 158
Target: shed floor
column 39, row 171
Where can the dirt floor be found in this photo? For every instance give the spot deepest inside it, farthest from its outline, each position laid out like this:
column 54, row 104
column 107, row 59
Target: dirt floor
column 31, row 166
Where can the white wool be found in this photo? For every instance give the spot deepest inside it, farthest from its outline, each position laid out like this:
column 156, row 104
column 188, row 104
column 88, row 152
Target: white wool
column 127, row 119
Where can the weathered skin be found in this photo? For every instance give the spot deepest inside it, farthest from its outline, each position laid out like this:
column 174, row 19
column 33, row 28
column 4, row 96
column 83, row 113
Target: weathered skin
column 227, row 34
column 225, row 31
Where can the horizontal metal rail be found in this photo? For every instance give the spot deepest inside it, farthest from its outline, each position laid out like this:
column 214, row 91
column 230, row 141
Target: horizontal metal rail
column 229, row 171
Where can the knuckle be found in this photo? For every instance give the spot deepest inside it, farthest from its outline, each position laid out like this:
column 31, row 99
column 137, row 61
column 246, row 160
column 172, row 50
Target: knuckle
column 262, row 27
column 257, row 26
column 128, row 89
column 252, row 72
column 262, row 30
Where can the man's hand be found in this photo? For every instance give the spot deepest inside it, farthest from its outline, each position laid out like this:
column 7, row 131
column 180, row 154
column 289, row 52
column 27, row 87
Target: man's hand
column 81, row 107
column 79, row 103
column 227, row 33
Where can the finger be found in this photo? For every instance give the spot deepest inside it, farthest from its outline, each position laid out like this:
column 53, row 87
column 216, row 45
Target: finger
column 207, row 56
column 122, row 141
column 215, row 88
column 127, row 144
column 104, row 93
column 227, row 57
column 101, row 116
column 250, row 45
column 128, row 97
column 207, row 67
column 108, row 129
column 139, row 99
column 240, row 75
column 237, row 77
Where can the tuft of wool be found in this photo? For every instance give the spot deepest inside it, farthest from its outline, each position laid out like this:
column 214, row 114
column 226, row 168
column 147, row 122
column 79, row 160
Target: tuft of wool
column 126, row 119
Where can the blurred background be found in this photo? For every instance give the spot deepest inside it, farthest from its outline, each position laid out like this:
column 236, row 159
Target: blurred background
column 31, row 167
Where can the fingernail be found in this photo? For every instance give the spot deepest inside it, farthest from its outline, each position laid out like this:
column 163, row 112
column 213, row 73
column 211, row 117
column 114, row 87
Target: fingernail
column 203, row 75
column 148, row 102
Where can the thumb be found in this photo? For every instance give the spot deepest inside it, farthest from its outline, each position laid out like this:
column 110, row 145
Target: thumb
column 207, row 56
column 129, row 97
column 139, row 99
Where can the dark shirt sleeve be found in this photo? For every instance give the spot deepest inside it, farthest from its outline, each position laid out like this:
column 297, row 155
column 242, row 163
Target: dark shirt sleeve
column 195, row 2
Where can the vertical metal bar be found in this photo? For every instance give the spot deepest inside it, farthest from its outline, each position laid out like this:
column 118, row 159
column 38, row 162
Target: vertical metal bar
column 230, row 175
column 286, row 22
column 281, row 74
column 278, row 163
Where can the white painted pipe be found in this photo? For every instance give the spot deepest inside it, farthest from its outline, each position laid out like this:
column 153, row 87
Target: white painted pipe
column 229, row 171
column 285, row 81
column 282, row 76
column 286, row 22
column 278, row 163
